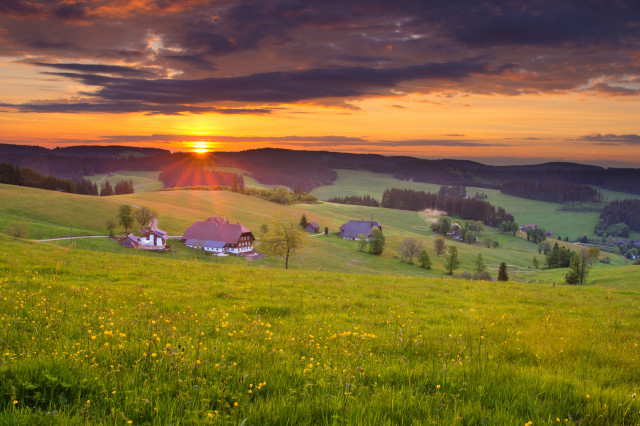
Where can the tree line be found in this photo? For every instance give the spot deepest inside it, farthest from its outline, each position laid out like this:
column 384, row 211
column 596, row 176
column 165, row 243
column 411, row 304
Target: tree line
column 365, row 200
column 619, row 217
column 553, row 192
column 24, row 176
column 465, row 208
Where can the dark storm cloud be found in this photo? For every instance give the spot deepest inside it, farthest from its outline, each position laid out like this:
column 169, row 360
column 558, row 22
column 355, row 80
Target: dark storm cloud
column 277, row 87
column 546, row 23
column 18, row 8
column 286, row 51
column 124, row 107
column 100, row 69
column 630, row 139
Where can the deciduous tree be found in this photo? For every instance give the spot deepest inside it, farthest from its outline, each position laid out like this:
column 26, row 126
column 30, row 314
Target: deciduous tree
column 452, row 263
column 144, row 215
column 424, row 260
column 410, row 247
column 283, row 238
column 440, row 245
column 479, row 264
column 376, row 242
column 125, row 217
column 580, row 265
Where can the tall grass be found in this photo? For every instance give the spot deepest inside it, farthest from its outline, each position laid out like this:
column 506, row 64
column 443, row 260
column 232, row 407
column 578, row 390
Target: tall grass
column 120, row 338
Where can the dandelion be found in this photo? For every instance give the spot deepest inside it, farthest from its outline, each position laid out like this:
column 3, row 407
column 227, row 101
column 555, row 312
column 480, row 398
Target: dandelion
column 588, row 397
column 235, row 404
column 15, row 401
column 153, row 355
column 438, row 387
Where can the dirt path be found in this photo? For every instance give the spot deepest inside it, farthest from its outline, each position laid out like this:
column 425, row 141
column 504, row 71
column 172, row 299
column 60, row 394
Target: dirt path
column 72, row 238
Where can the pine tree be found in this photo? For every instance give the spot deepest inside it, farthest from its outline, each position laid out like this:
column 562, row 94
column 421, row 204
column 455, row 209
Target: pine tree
column 303, row 220
column 479, row 263
column 502, row 272
column 106, row 190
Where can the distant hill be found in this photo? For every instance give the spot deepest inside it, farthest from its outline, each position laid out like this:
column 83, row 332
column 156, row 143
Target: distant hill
column 311, row 169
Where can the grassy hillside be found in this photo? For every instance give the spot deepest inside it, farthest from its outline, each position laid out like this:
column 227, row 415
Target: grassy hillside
column 142, row 181
column 51, row 214
column 573, row 225
column 120, row 338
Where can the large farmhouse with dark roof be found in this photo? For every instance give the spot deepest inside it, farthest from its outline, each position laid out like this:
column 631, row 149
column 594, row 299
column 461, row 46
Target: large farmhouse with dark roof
column 217, row 235
column 354, row 228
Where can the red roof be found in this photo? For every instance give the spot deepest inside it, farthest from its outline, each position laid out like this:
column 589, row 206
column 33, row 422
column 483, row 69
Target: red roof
column 215, row 229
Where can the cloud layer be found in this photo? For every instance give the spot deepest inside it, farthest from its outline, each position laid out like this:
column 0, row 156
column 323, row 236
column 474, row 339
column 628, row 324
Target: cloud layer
column 250, row 56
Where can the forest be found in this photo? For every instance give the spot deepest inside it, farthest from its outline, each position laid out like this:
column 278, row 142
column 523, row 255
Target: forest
column 618, row 215
column 553, row 192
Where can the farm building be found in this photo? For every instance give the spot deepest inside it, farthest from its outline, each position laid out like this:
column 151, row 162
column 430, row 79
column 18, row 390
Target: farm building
column 217, row 235
column 130, row 241
column 312, row 227
column 152, row 238
column 352, row 229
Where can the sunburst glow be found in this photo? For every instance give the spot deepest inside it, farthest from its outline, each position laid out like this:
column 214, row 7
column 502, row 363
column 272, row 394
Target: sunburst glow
column 202, row 147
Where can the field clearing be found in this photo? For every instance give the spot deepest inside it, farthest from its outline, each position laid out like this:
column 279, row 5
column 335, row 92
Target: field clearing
column 117, row 338
column 543, row 214
column 142, row 181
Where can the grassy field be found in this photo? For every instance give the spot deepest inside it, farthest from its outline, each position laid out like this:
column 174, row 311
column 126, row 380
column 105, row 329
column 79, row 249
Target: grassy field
column 545, row 215
column 142, row 181
column 122, row 338
column 51, row 214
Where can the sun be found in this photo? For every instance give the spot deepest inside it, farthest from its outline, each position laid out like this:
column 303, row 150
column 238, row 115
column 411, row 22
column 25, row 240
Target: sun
column 201, row 147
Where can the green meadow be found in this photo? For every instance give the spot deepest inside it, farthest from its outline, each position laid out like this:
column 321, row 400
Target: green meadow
column 142, row 181
column 543, row 214
column 49, row 214
column 121, row 338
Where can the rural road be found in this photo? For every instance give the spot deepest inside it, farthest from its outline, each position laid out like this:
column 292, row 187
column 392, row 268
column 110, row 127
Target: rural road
column 92, row 236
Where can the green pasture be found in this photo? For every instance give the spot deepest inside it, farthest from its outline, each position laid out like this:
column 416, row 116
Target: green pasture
column 543, row 214
column 122, row 338
column 50, row 214
column 142, row 181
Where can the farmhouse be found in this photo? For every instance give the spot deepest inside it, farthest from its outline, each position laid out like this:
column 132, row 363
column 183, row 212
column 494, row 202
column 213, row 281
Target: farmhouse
column 352, row 229
column 153, row 238
column 312, row 227
column 217, row 235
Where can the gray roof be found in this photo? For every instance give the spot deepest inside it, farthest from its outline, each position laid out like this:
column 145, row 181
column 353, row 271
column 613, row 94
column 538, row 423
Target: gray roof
column 353, row 228
column 130, row 240
column 214, row 244
column 208, row 244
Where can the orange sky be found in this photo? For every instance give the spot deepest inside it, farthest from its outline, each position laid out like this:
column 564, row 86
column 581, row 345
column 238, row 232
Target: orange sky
column 399, row 87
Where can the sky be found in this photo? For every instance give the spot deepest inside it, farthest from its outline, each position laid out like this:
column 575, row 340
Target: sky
column 498, row 81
